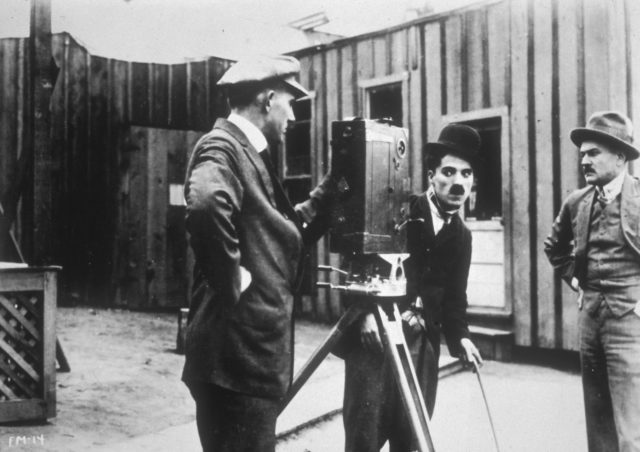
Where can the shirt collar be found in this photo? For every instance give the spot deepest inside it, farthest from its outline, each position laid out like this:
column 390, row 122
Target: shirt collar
column 612, row 189
column 254, row 135
column 444, row 215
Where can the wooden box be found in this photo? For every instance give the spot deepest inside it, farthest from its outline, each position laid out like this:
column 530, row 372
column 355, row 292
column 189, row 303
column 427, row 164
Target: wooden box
column 373, row 158
column 28, row 343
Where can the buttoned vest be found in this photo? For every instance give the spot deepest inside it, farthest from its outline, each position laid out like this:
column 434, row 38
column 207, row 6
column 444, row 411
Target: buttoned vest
column 613, row 268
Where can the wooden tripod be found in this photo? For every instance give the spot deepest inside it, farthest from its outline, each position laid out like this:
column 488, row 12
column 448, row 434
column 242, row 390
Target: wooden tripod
column 389, row 323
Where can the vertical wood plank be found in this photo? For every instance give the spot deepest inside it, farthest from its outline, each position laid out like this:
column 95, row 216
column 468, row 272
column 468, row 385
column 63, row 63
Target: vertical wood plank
column 140, row 107
column 9, row 63
column 160, row 95
column 633, row 30
column 347, row 76
column 178, row 96
column 597, row 71
column 158, row 144
column 543, row 67
column 473, row 42
column 569, row 118
column 434, row 73
column 398, row 51
column 42, row 80
column 100, row 217
column 497, row 23
column 134, row 280
column 380, row 56
column 415, row 121
column 365, row 70
column 198, row 109
column 453, row 79
column 75, row 260
column 617, row 53
column 520, row 254
column 49, row 338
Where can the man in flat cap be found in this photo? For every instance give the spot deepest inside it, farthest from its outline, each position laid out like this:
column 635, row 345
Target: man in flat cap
column 595, row 246
column 249, row 243
column 439, row 246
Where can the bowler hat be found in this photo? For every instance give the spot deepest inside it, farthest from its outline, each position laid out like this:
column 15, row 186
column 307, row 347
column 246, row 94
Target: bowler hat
column 458, row 139
column 264, row 68
column 609, row 127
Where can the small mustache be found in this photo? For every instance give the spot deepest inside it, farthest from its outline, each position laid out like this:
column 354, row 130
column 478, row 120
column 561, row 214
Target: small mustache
column 457, row 190
column 587, row 169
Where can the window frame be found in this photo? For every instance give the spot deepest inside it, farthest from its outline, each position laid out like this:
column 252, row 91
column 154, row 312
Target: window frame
column 365, row 87
column 505, row 223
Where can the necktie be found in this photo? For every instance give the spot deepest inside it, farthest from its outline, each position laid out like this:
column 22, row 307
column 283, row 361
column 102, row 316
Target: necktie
column 599, row 204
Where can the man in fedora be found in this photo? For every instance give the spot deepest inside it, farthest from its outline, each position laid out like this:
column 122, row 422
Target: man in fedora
column 595, row 246
column 439, row 246
column 248, row 242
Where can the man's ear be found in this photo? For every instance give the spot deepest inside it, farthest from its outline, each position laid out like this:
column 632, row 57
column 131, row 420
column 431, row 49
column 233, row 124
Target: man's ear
column 263, row 100
column 268, row 99
column 430, row 175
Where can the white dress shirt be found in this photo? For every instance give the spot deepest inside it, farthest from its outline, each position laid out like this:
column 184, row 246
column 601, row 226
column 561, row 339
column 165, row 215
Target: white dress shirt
column 436, row 218
column 254, row 135
column 609, row 191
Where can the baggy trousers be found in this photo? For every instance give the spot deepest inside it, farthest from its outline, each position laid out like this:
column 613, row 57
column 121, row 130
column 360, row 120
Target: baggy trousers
column 610, row 357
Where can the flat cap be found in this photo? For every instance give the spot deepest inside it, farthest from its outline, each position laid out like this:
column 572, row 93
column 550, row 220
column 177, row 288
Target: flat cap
column 264, row 68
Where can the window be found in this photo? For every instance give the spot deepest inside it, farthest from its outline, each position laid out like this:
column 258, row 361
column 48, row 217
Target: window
column 386, row 102
column 386, row 97
column 296, row 162
column 485, row 201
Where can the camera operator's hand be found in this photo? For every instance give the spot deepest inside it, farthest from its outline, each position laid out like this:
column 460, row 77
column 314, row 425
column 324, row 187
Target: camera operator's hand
column 369, row 335
column 470, row 352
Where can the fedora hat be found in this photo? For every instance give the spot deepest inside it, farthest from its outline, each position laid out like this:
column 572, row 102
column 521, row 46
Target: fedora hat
column 458, row 139
column 609, row 127
column 262, row 68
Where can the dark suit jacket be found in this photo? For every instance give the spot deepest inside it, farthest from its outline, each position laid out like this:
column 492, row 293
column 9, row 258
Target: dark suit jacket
column 241, row 341
column 566, row 247
column 437, row 271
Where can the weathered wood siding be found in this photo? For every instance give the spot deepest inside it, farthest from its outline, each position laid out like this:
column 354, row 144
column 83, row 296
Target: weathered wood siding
column 94, row 103
column 551, row 63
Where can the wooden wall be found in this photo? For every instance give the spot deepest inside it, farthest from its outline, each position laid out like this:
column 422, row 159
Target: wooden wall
column 551, row 63
column 94, row 103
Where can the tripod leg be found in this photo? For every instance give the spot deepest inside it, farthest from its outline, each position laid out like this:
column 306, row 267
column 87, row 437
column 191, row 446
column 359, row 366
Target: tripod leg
column 320, row 353
column 396, row 346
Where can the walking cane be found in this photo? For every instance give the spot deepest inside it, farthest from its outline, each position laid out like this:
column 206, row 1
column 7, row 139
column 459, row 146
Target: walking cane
column 486, row 404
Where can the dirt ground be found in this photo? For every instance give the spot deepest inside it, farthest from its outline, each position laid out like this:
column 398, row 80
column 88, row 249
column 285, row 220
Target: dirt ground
column 124, row 382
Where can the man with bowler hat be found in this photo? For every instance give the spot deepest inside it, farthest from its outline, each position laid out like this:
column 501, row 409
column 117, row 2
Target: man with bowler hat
column 249, row 243
column 439, row 246
column 595, row 247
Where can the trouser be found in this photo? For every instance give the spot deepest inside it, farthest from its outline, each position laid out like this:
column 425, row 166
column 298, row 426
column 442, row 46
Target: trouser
column 373, row 411
column 610, row 356
column 229, row 421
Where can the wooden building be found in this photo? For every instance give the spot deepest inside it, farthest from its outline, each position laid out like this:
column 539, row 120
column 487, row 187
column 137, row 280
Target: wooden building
column 524, row 73
column 121, row 134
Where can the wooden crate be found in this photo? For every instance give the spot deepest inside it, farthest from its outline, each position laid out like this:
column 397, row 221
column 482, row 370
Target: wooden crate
column 28, row 343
